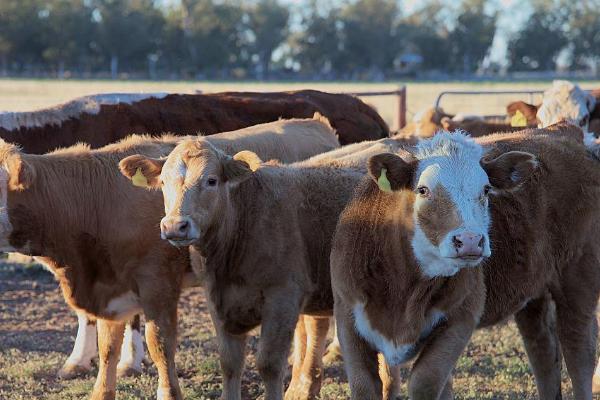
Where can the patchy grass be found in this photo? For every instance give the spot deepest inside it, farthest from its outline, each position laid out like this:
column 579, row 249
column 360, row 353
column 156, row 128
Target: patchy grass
column 37, row 331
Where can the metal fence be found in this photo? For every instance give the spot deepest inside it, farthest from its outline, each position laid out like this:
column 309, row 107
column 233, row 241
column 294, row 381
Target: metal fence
column 400, row 94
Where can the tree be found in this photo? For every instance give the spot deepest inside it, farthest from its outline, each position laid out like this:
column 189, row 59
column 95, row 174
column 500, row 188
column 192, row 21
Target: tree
column 317, row 46
column 69, row 33
column 426, row 33
column 369, row 40
column 472, row 36
column 128, row 32
column 268, row 24
column 584, row 32
column 540, row 41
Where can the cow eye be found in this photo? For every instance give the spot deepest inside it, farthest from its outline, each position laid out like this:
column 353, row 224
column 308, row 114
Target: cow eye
column 486, row 190
column 423, row 191
column 584, row 121
column 212, row 181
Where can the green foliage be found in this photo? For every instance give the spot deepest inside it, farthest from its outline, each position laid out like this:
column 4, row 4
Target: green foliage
column 367, row 39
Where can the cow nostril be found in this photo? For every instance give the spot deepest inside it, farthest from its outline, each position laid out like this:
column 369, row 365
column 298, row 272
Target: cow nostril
column 457, row 242
column 481, row 242
column 183, row 226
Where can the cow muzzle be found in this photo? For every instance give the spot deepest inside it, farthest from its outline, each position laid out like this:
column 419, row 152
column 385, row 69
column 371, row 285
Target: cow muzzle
column 469, row 245
column 179, row 231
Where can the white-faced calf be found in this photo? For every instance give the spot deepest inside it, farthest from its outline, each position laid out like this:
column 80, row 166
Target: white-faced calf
column 464, row 234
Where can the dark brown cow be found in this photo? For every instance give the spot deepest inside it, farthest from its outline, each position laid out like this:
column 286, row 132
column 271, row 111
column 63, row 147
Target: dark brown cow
column 446, row 239
column 102, row 119
column 75, row 211
column 478, row 127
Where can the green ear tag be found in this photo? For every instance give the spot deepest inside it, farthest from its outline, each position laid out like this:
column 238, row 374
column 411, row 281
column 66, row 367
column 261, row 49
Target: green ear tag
column 383, row 182
column 139, row 179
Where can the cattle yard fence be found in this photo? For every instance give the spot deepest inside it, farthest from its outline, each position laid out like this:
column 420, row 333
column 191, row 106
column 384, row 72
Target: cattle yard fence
column 449, row 93
column 400, row 94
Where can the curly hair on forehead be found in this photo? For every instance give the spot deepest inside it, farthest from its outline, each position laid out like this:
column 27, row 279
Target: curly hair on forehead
column 457, row 144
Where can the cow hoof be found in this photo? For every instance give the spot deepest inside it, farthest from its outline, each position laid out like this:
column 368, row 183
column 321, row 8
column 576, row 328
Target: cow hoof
column 125, row 372
column 333, row 355
column 596, row 384
column 103, row 395
column 72, row 371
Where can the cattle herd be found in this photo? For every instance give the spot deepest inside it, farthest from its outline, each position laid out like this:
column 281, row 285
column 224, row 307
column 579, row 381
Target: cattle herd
column 293, row 208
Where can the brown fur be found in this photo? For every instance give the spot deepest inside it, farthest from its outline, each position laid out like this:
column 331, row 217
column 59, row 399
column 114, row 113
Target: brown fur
column 266, row 246
column 98, row 251
column 528, row 110
column 476, row 127
column 533, row 254
column 205, row 114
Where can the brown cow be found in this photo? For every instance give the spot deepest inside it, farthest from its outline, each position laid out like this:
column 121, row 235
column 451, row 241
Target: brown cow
column 105, row 118
column 265, row 232
column 425, row 123
column 476, row 127
column 62, row 208
column 411, row 269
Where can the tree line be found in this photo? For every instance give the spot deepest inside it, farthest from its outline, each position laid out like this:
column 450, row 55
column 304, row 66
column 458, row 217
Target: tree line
column 225, row 39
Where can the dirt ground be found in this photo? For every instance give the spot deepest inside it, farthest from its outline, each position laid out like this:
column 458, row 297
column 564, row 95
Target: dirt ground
column 37, row 331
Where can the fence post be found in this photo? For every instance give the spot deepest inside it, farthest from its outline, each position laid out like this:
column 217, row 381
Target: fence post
column 401, row 114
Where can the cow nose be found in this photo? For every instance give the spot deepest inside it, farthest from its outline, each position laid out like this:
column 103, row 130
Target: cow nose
column 468, row 244
column 175, row 228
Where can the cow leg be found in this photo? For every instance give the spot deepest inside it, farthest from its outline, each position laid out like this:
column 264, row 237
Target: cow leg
column 161, row 337
column 132, row 352
column 306, row 382
column 576, row 302
column 110, row 337
column 537, row 325
column 596, row 378
column 360, row 359
column 334, row 350
column 298, row 352
column 433, row 368
column 390, row 379
column 279, row 318
column 84, row 350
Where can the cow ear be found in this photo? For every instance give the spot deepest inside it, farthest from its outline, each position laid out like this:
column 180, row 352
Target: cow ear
column 391, row 172
column 241, row 166
column 510, row 169
column 21, row 173
column 447, row 124
column 143, row 171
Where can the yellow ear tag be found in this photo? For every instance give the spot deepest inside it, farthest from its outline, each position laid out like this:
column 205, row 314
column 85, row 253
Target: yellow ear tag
column 383, row 182
column 139, row 179
column 518, row 120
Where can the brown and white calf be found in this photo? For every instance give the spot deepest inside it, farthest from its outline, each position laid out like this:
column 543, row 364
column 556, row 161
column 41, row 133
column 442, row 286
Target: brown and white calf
column 461, row 234
column 264, row 231
column 61, row 207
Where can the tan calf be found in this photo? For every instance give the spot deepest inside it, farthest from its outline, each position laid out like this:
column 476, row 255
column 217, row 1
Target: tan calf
column 265, row 232
column 75, row 211
column 461, row 234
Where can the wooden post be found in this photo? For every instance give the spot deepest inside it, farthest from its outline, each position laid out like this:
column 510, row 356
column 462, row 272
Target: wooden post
column 401, row 114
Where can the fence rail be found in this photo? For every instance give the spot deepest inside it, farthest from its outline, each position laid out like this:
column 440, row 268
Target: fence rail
column 400, row 93
column 445, row 93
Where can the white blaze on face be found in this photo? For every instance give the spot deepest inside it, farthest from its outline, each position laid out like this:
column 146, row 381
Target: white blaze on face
column 565, row 101
column 450, row 171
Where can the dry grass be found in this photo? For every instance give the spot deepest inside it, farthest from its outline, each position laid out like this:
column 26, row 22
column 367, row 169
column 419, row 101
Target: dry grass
column 37, row 331
column 26, row 95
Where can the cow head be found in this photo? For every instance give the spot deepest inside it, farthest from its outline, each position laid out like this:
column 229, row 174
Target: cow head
column 195, row 180
column 565, row 101
column 16, row 175
column 451, row 181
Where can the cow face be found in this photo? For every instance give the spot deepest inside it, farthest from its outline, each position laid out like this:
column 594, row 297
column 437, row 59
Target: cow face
column 16, row 174
column 452, row 185
column 565, row 101
column 195, row 179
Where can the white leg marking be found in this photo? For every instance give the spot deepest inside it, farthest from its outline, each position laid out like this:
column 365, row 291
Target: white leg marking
column 86, row 344
column 132, row 351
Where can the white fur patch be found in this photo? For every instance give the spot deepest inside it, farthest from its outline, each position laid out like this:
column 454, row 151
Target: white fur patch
column 86, row 344
column 451, row 160
column 132, row 350
column 565, row 101
column 394, row 353
column 5, row 225
column 460, row 117
column 123, row 306
column 57, row 115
